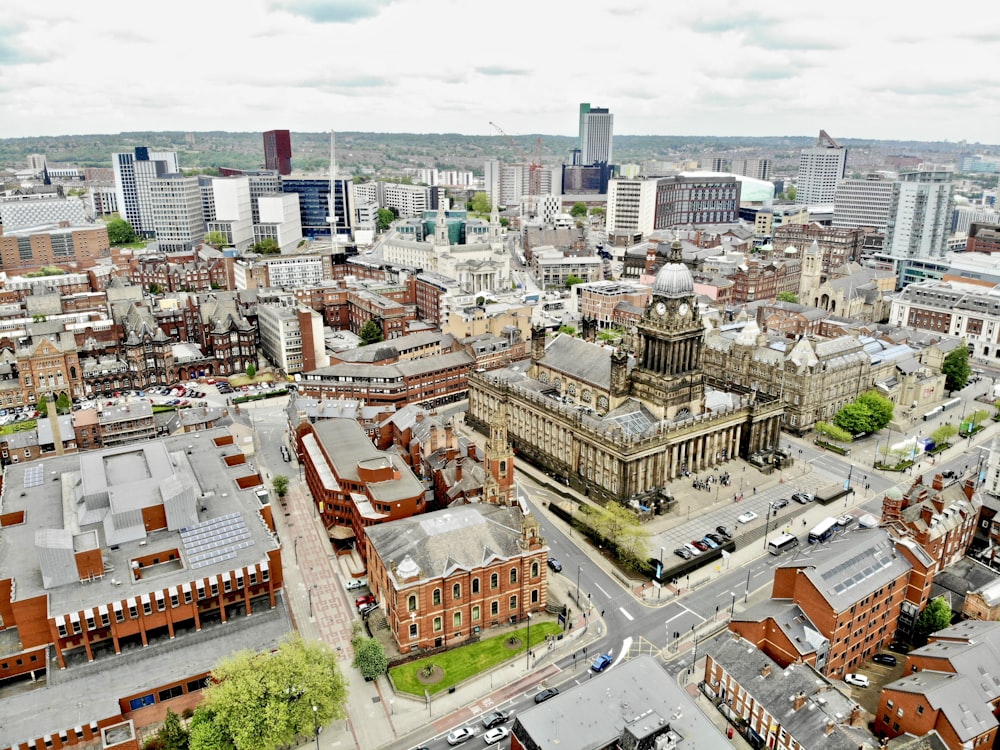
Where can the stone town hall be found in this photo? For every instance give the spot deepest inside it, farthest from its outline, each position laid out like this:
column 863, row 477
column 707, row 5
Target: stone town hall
column 620, row 424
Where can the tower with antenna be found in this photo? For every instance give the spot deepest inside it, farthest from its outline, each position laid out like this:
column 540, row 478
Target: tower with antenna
column 331, row 218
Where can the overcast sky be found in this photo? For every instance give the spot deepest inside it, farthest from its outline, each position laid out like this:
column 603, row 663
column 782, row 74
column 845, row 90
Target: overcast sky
column 915, row 70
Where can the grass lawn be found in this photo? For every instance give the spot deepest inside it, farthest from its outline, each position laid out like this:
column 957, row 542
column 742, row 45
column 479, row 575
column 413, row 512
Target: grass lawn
column 467, row 661
column 10, row 429
column 240, row 380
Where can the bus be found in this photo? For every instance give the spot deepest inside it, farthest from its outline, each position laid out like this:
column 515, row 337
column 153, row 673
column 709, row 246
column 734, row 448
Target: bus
column 933, row 413
column 783, row 543
column 951, row 404
column 823, row 531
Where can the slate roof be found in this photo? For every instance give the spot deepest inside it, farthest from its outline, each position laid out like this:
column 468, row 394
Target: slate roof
column 579, row 359
column 955, row 696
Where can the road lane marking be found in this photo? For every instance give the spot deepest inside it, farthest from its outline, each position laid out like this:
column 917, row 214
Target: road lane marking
column 602, row 591
column 624, row 612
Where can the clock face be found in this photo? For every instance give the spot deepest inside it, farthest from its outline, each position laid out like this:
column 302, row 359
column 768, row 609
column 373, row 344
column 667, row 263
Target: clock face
column 660, row 308
column 683, row 309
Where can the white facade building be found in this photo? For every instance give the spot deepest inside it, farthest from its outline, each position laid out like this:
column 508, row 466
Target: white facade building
column 596, row 132
column 408, row 200
column 820, row 169
column 27, row 211
column 176, row 211
column 280, row 322
column 233, row 214
column 920, row 215
column 280, row 220
column 864, row 202
column 631, row 206
column 133, row 173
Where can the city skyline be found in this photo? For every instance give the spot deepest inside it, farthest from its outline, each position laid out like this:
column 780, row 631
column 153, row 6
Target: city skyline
column 430, row 67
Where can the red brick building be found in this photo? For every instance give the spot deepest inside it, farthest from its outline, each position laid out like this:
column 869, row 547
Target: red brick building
column 839, row 245
column 764, row 279
column 983, row 238
column 445, row 576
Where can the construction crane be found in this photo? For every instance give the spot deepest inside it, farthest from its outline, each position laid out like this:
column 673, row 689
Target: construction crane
column 534, row 162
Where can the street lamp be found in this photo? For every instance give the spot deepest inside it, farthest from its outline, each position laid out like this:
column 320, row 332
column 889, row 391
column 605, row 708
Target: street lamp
column 732, row 607
column 527, row 651
column 295, row 549
column 311, row 601
column 578, row 584
column 316, row 723
column 767, row 521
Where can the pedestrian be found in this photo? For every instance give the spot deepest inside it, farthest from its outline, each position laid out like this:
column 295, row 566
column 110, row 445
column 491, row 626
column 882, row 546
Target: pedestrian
column 602, row 613
column 803, row 522
column 755, row 490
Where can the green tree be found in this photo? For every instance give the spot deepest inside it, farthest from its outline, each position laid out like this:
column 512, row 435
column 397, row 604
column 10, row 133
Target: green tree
column 370, row 333
column 956, row 369
column 790, row 193
column 218, row 239
column 978, row 417
column 251, row 370
column 880, row 407
column 788, row 297
column 833, row 432
column 267, row 246
column 573, row 280
column 568, row 330
column 855, row 418
column 280, row 484
column 42, row 407
column 943, row 434
column 171, row 735
column 579, row 210
column 63, row 404
column 384, row 219
column 369, row 657
column 120, row 232
column 936, row 616
column 598, row 212
column 481, row 203
column 261, row 701
column 155, row 289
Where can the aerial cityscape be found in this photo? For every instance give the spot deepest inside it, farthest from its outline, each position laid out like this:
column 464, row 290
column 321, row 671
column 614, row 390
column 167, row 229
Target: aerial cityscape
column 642, row 395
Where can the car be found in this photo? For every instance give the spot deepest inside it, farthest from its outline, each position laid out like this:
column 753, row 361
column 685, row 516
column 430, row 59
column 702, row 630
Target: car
column 948, row 474
column 746, row 517
column 682, row 553
column 858, row 680
column 692, row 550
column 601, row 663
column 495, row 719
column 715, row 538
column 496, row 735
column 803, row 497
column 460, row 735
column 700, row 545
column 554, row 565
column 899, row 648
column 780, row 503
column 543, row 695
column 710, row 543
column 364, row 600
column 845, row 520
column 724, row 531
column 364, row 612
column 887, row 659
column 357, row 583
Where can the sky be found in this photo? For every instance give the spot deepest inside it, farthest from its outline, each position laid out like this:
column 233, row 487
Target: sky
column 879, row 70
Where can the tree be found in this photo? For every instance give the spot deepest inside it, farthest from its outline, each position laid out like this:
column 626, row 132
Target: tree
column 579, row 210
column 171, row 736
column 568, row 330
column 63, row 404
column 251, row 370
column 218, row 239
column 481, row 203
column 42, row 407
column 788, row 297
column 261, row 701
column 384, row 219
column 370, row 333
column 936, row 616
column 978, row 417
column 573, row 280
column 956, row 369
column 369, row 657
column 833, row 432
column 267, row 246
column 280, row 484
column 120, row 232
column 880, row 407
column 856, row 418
column 597, row 212
column 155, row 289
column 943, row 434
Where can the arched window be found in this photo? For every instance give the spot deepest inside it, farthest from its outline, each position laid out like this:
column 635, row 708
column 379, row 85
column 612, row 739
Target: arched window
column 534, row 569
column 436, row 596
column 476, row 613
column 494, row 581
column 437, row 624
column 456, row 591
column 475, row 585
column 411, row 603
column 456, row 620
column 513, row 575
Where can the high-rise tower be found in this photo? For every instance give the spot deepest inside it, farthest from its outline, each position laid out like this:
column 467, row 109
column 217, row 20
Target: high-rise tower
column 919, row 215
column 278, row 151
column 596, row 127
column 820, row 169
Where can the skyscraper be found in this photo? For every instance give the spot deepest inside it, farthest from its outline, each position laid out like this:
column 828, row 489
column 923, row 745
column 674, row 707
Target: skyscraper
column 820, row 169
column 864, row 202
column 919, row 215
column 596, row 125
column 133, row 173
column 278, row 151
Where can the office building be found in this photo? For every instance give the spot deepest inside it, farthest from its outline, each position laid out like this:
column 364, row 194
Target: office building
column 863, row 202
column 820, row 169
column 631, row 206
column 920, row 215
column 231, row 216
column 176, row 208
column 596, row 131
column 279, row 219
column 316, row 209
column 32, row 211
column 29, row 249
column 291, row 335
column 278, row 151
column 133, row 173
column 697, row 198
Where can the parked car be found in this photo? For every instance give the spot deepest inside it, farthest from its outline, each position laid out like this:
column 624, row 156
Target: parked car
column 715, row 538
column 856, row 679
column 948, row 474
column 357, row 583
column 543, row 695
column 887, row 659
column 495, row 718
column 554, row 564
column 366, row 610
column 780, row 503
column 601, row 663
column 692, row 550
column 899, row 648
column 682, row 553
column 724, row 531
column 845, row 520
column 710, row 543
column 803, row 497
column 496, row 735
column 364, row 600
column 460, row 735
column 746, row 517
column 700, row 545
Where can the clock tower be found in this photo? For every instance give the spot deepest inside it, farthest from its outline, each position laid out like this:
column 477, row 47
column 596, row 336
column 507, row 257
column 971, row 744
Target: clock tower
column 669, row 339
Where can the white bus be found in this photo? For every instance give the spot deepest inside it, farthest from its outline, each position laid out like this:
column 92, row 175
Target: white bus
column 823, row 531
column 782, row 543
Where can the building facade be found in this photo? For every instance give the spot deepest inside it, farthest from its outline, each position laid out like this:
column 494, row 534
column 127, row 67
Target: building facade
column 596, row 134
column 920, row 215
column 820, row 169
column 864, row 202
column 278, row 151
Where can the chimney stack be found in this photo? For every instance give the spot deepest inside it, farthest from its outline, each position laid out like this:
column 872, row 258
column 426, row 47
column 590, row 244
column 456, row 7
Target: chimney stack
column 798, row 701
column 765, row 671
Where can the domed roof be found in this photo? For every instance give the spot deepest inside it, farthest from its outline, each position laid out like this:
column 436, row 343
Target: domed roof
column 894, row 493
column 673, row 280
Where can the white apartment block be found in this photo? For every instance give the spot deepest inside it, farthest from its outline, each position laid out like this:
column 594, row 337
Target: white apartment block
column 864, row 202
column 292, row 271
column 408, row 200
column 820, row 169
column 631, row 206
column 596, row 133
column 28, row 211
column 102, row 200
column 964, row 216
column 233, row 217
column 177, row 213
column 279, row 219
column 280, row 324
column 920, row 215
column 133, row 173
column 553, row 268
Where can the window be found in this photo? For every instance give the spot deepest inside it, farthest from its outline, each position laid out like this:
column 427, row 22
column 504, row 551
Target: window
column 513, row 603
column 436, row 596
column 513, row 575
column 119, row 614
column 187, row 595
column 413, row 630
column 174, row 599
column 534, row 569
column 133, row 611
column 476, row 613
column 494, row 608
column 456, row 591
column 494, row 581
column 214, row 588
column 411, row 603
column 475, row 585
column 456, row 620
column 147, row 607
column 227, row 585
column 534, row 596
column 437, row 624
column 920, row 710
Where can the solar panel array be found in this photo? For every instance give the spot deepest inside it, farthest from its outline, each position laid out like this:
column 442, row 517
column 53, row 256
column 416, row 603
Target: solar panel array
column 34, row 476
column 215, row 540
column 880, row 564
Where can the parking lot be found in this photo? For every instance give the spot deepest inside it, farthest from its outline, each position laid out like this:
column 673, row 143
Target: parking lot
column 878, row 676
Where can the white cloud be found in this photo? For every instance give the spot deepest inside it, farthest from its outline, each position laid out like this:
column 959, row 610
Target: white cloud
column 718, row 67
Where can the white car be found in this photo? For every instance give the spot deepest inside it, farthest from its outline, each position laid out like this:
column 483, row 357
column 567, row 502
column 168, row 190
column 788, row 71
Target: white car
column 856, row 679
column 692, row 549
column 746, row 517
column 496, row 734
column 460, row 735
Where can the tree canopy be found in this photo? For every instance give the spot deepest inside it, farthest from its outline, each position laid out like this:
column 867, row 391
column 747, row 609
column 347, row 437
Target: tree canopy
column 369, row 654
column 787, row 297
column 943, row 434
column 280, row 483
column 936, row 616
column 481, row 203
column 956, row 369
column 120, row 232
column 263, row 701
column 384, row 219
column 579, row 210
column 573, row 280
column 267, row 246
column 833, row 432
column 218, row 239
column 370, row 333
column 869, row 412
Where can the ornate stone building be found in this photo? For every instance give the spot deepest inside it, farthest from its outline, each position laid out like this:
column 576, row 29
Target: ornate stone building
column 616, row 424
